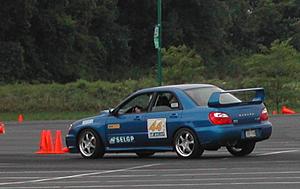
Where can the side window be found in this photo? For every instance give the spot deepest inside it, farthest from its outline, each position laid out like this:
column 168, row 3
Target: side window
column 165, row 101
column 138, row 104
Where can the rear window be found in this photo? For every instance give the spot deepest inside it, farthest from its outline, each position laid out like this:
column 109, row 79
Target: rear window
column 202, row 95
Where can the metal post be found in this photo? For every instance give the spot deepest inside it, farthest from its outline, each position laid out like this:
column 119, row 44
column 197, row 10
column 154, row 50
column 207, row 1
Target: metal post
column 159, row 24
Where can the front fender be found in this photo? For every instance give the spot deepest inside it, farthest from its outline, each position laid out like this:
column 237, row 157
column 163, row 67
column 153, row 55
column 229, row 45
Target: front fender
column 72, row 136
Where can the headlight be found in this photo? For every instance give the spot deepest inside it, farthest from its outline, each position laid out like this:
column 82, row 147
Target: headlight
column 70, row 127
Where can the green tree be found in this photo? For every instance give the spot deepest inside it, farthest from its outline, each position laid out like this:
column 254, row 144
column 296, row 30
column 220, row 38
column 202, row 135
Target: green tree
column 277, row 69
column 11, row 61
column 182, row 65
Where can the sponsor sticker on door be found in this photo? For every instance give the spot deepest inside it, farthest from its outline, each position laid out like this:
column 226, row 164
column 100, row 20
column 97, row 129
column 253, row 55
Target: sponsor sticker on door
column 157, row 128
column 113, row 126
column 121, row 139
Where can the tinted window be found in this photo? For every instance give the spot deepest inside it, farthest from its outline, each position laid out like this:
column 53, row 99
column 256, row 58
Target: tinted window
column 165, row 101
column 202, row 95
column 138, row 104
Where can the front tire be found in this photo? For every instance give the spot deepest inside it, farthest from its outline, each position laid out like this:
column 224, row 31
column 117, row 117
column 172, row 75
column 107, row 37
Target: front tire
column 186, row 144
column 241, row 149
column 90, row 144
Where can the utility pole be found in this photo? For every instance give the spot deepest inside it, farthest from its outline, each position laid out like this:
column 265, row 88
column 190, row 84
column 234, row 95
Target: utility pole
column 158, row 41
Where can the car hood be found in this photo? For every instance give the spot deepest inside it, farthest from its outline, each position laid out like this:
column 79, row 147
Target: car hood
column 92, row 120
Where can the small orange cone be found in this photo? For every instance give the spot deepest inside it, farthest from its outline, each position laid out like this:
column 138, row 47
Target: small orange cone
column 66, row 149
column 46, row 144
column 286, row 110
column 274, row 112
column 20, row 118
column 58, row 149
column 2, row 128
column 49, row 142
column 43, row 143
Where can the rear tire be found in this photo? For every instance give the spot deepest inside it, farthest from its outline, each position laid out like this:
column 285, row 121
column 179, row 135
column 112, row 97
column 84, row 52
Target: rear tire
column 90, row 144
column 144, row 154
column 186, row 144
column 241, row 149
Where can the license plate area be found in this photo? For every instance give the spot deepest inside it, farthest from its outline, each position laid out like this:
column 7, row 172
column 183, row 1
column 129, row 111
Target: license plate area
column 250, row 133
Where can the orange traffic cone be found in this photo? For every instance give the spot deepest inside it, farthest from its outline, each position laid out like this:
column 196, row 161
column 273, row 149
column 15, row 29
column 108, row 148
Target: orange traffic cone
column 49, row 142
column 58, row 149
column 274, row 112
column 66, row 149
column 46, row 145
column 2, row 128
column 286, row 110
column 43, row 143
column 20, row 118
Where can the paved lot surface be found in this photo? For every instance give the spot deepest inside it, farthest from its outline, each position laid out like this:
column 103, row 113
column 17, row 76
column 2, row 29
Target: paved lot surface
column 275, row 163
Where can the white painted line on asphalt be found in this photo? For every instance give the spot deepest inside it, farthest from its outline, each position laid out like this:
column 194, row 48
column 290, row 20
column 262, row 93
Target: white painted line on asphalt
column 164, row 185
column 196, row 179
column 275, row 149
column 79, row 175
column 197, row 174
column 5, row 178
column 184, row 184
column 234, row 173
column 170, row 180
column 247, row 162
column 205, row 169
column 7, row 163
column 46, row 172
column 278, row 152
column 175, row 169
column 25, row 187
column 124, row 176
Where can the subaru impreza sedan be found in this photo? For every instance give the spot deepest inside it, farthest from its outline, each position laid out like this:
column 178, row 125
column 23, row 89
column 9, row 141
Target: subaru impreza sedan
column 187, row 119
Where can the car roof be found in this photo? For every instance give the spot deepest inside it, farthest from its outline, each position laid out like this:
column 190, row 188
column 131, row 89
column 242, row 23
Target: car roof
column 172, row 87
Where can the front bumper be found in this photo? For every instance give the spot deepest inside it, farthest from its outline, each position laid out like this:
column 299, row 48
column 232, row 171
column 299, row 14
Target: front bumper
column 222, row 135
column 71, row 143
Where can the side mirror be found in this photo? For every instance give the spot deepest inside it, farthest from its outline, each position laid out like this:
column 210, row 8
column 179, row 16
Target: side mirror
column 112, row 112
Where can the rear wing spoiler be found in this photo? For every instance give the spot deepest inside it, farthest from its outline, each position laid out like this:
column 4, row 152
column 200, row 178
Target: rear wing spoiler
column 214, row 99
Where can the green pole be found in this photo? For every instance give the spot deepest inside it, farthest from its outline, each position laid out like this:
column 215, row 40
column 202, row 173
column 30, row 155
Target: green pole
column 159, row 68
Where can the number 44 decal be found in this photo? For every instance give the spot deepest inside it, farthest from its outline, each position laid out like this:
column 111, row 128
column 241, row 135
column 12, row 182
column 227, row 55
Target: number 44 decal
column 157, row 128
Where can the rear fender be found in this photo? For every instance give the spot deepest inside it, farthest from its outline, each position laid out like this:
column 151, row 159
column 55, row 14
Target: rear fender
column 185, row 127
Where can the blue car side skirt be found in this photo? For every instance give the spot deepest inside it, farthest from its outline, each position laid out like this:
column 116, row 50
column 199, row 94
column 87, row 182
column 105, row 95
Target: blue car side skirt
column 138, row 149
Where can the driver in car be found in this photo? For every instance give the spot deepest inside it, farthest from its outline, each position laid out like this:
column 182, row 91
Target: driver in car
column 137, row 110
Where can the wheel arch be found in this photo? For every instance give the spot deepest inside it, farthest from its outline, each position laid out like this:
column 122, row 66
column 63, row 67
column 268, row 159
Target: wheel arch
column 185, row 127
column 86, row 128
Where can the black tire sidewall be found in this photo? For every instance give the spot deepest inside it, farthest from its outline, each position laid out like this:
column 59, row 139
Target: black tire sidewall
column 99, row 149
column 198, row 149
column 246, row 149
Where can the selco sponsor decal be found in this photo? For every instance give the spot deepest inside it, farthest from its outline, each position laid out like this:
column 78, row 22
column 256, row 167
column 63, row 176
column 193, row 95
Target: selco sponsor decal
column 157, row 128
column 121, row 139
column 88, row 121
column 113, row 126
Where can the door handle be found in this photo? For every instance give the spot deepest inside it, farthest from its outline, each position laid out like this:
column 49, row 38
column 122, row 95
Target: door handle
column 174, row 115
column 137, row 118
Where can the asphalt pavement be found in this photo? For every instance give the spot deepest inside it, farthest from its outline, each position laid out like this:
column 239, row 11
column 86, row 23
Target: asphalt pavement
column 275, row 163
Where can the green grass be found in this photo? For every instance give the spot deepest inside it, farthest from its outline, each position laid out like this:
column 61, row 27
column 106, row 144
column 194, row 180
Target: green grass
column 46, row 116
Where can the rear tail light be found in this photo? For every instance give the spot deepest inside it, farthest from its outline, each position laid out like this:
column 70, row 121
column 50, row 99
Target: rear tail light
column 264, row 116
column 219, row 118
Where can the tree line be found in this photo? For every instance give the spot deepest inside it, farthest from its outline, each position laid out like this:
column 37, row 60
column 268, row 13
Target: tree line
column 44, row 41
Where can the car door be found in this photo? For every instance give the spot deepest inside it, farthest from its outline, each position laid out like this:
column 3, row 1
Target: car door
column 163, row 119
column 127, row 128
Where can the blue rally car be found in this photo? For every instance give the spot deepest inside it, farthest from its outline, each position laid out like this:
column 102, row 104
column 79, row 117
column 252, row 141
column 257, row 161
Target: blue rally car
column 186, row 118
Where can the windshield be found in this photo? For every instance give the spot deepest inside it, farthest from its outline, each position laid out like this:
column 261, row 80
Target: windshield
column 202, row 95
